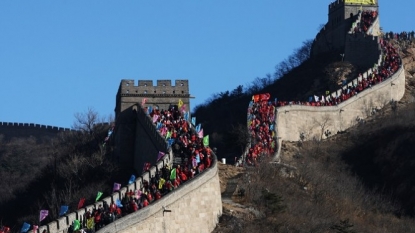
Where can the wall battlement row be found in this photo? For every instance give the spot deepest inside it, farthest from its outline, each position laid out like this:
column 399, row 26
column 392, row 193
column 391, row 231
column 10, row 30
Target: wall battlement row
column 33, row 126
column 147, row 87
column 162, row 95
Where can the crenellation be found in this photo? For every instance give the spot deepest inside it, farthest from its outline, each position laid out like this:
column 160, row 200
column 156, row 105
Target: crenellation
column 145, row 83
column 164, row 83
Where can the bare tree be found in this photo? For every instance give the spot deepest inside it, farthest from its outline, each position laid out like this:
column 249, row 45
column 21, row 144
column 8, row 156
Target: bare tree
column 87, row 121
column 322, row 124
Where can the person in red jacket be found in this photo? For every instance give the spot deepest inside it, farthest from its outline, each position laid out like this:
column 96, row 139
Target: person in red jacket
column 145, row 202
column 157, row 195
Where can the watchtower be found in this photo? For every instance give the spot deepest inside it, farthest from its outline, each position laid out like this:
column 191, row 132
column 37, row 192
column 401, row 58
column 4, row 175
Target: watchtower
column 135, row 136
column 341, row 16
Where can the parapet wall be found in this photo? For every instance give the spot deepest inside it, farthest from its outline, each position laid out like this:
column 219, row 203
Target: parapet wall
column 291, row 121
column 362, row 50
column 10, row 130
column 195, row 207
column 62, row 224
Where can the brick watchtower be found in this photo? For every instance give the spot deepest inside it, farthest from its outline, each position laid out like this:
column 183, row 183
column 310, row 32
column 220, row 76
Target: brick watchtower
column 135, row 137
column 342, row 14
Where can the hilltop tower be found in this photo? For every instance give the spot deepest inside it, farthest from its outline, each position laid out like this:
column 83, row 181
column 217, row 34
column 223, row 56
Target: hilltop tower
column 132, row 123
column 335, row 34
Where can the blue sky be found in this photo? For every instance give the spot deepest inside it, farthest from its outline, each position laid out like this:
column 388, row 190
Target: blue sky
column 61, row 57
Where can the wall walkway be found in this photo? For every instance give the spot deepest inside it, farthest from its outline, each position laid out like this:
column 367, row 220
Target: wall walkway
column 293, row 120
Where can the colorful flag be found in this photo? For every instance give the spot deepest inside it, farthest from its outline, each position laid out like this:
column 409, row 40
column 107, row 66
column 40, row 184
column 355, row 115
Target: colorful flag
column 146, row 167
column 99, row 194
column 198, row 127
column 143, row 102
column 168, row 135
column 170, row 142
column 81, row 203
column 206, row 140
column 116, row 187
column 63, row 210
column 118, row 203
column 161, row 183
column 90, row 223
column 149, row 110
column 76, row 225
column 155, row 118
column 25, row 227
column 186, row 116
column 132, row 179
column 160, row 155
column 159, row 125
column 173, row 174
column 183, row 108
column 200, row 133
column 193, row 121
column 180, row 103
column 43, row 214
column 137, row 194
column 35, row 227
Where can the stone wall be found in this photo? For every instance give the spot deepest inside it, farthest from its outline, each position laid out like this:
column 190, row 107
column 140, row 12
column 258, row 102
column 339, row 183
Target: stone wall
column 62, row 224
column 362, row 50
column 293, row 120
column 195, row 207
column 10, row 130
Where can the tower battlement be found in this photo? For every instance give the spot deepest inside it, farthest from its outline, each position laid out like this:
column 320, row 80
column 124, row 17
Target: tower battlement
column 146, row 87
column 161, row 95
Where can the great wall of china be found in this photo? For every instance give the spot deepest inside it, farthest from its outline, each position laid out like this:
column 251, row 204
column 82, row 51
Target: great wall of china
column 197, row 204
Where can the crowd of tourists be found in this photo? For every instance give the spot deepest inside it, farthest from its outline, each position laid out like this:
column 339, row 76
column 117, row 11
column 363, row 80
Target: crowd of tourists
column 261, row 120
column 402, row 36
column 185, row 142
column 366, row 21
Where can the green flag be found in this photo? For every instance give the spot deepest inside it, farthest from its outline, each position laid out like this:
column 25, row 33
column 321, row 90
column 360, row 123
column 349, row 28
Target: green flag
column 206, row 140
column 168, row 135
column 98, row 196
column 173, row 174
column 76, row 225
